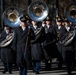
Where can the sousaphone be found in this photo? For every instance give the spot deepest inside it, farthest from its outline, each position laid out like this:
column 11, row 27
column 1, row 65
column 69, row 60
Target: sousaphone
column 38, row 11
column 11, row 17
column 71, row 12
column 71, row 16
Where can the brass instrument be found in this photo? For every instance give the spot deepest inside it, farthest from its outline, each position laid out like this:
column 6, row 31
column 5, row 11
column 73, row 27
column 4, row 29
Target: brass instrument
column 71, row 12
column 71, row 16
column 11, row 16
column 38, row 11
column 8, row 40
column 68, row 39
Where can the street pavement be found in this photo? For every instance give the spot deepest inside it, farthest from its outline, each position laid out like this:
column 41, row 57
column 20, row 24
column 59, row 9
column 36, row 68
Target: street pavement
column 53, row 71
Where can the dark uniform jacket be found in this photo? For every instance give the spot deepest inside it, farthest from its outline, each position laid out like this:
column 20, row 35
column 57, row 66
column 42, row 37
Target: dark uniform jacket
column 50, row 41
column 21, row 43
column 6, row 52
column 68, row 50
column 36, row 48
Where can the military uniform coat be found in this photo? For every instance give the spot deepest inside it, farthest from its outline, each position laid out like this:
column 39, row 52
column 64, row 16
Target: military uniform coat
column 36, row 48
column 6, row 52
column 61, row 32
column 50, row 42
column 68, row 51
column 19, row 44
column 68, row 48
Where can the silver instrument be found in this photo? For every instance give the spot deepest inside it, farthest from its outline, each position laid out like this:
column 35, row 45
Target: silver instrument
column 37, row 31
column 71, row 16
column 68, row 39
column 38, row 11
column 8, row 40
column 11, row 16
column 71, row 12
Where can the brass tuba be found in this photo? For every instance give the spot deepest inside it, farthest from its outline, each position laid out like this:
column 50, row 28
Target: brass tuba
column 71, row 12
column 71, row 16
column 8, row 40
column 11, row 17
column 38, row 11
column 68, row 39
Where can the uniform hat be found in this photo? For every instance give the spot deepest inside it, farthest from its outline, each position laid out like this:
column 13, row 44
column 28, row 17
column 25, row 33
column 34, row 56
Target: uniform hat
column 62, row 19
column 57, row 16
column 66, row 20
column 48, row 19
column 27, row 17
column 59, row 20
column 23, row 19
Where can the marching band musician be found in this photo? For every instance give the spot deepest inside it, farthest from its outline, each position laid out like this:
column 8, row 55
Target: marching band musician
column 6, row 52
column 69, row 58
column 49, row 43
column 68, row 49
column 36, row 49
column 21, row 43
column 59, row 26
column 43, row 23
column 28, row 20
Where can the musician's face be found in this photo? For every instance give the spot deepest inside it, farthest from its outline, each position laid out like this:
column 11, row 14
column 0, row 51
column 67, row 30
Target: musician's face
column 48, row 22
column 7, row 28
column 28, row 21
column 34, row 22
column 43, row 22
column 63, row 23
column 58, row 23
column 23, row 24
column 67, row 24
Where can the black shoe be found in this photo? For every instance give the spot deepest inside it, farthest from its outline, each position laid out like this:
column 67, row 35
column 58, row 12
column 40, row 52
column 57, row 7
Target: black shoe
column 10, row 72
column 33, row 70
column 37, row 73
column 19, row 73
column 4, row 71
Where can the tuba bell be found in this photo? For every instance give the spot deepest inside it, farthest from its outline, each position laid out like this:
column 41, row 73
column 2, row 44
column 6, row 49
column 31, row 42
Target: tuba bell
column 71, row 16
column 38, row 11
column 71, row 12
column 11, row 16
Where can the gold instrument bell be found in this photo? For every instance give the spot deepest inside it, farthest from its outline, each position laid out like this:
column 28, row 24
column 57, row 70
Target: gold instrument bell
column 71, row 12
column 11, row 16
column 38, row 11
